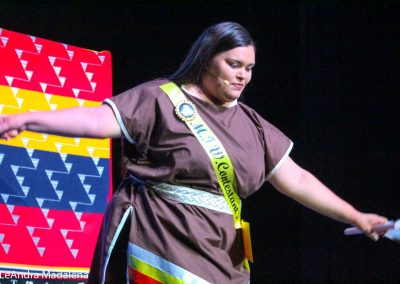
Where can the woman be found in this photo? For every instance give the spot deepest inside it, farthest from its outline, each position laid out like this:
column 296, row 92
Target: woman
column 175, row 217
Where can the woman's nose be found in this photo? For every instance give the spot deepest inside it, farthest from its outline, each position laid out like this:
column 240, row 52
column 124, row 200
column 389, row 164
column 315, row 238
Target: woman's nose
column 240, row 74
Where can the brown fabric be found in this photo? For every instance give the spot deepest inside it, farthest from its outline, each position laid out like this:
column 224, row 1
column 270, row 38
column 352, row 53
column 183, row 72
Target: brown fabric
column 198, row 239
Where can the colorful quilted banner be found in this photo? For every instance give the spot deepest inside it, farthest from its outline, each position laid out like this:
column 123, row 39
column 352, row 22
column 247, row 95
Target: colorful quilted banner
column 53, row 189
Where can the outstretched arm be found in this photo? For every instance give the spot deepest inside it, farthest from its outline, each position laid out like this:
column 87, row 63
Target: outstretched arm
column 93, row 122
column 302, row 186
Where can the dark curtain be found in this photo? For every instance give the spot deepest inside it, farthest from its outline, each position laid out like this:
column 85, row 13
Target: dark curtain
column 327, row 75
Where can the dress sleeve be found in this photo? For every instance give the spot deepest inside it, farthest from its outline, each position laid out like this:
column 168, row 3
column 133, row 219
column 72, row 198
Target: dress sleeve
column 136, row 111
column 277, row 147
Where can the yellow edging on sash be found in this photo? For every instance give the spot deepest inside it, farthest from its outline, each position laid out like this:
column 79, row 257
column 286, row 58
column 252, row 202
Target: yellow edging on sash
column 219, row 158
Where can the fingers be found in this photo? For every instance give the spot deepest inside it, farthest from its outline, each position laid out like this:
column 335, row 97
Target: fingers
column 6, row 136
column 375, row 230
column 374, row 236
column 10, row 134
column 7, row 128
column 13, row 133
column 3, row 131
column 371, row 233
column 371, row 225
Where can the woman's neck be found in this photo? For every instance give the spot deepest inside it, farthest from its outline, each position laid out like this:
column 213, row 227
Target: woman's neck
column 196, row 91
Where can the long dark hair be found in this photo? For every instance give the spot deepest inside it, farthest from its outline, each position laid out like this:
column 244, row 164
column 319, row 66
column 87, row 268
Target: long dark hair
column 215, row 39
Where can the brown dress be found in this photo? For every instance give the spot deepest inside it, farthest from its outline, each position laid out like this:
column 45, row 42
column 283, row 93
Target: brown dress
column 158, row 147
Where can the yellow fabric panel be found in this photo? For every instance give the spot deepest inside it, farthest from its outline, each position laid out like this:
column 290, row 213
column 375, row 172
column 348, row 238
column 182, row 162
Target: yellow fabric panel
column 14, row 101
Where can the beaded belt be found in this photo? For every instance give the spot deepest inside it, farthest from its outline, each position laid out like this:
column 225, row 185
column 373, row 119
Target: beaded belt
column 193, row 196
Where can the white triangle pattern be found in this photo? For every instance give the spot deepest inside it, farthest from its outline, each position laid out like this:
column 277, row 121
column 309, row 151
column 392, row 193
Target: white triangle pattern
column 19, row 53
column 15, row 169
column 15, row 90
column 4, row 40
column 24, row 63
column 57, row 70
column 102, row 58
column 5, row 197
column 41, row 250
column 38, row 47
column 9, row 80
column 36, row 240
column 64, row 232
column 70, row 54
column 35, row 162
column 5, row 246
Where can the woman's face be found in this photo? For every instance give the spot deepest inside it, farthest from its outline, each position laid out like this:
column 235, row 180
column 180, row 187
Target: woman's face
column 227, row 75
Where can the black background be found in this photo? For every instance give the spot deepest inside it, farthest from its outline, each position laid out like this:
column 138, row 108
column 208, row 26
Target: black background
column 327, row 75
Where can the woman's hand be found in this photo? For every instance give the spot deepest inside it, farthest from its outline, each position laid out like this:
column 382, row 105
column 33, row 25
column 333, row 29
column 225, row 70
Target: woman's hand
column 10, row 126
column 367, row 223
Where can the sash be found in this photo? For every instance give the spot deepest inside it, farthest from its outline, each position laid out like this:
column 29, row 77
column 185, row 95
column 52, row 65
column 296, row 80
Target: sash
column 223, row 168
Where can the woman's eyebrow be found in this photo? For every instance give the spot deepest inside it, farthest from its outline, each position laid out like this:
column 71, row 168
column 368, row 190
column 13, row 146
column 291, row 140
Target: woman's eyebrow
column 240, row 61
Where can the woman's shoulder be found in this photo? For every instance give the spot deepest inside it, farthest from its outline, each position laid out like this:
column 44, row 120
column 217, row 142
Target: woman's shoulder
column 146, row 93
column 150, row 87
column 257, row 118
column 249, row 110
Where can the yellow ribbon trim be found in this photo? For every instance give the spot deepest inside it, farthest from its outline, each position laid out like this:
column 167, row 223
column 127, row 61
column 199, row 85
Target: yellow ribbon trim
column 153, row 272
